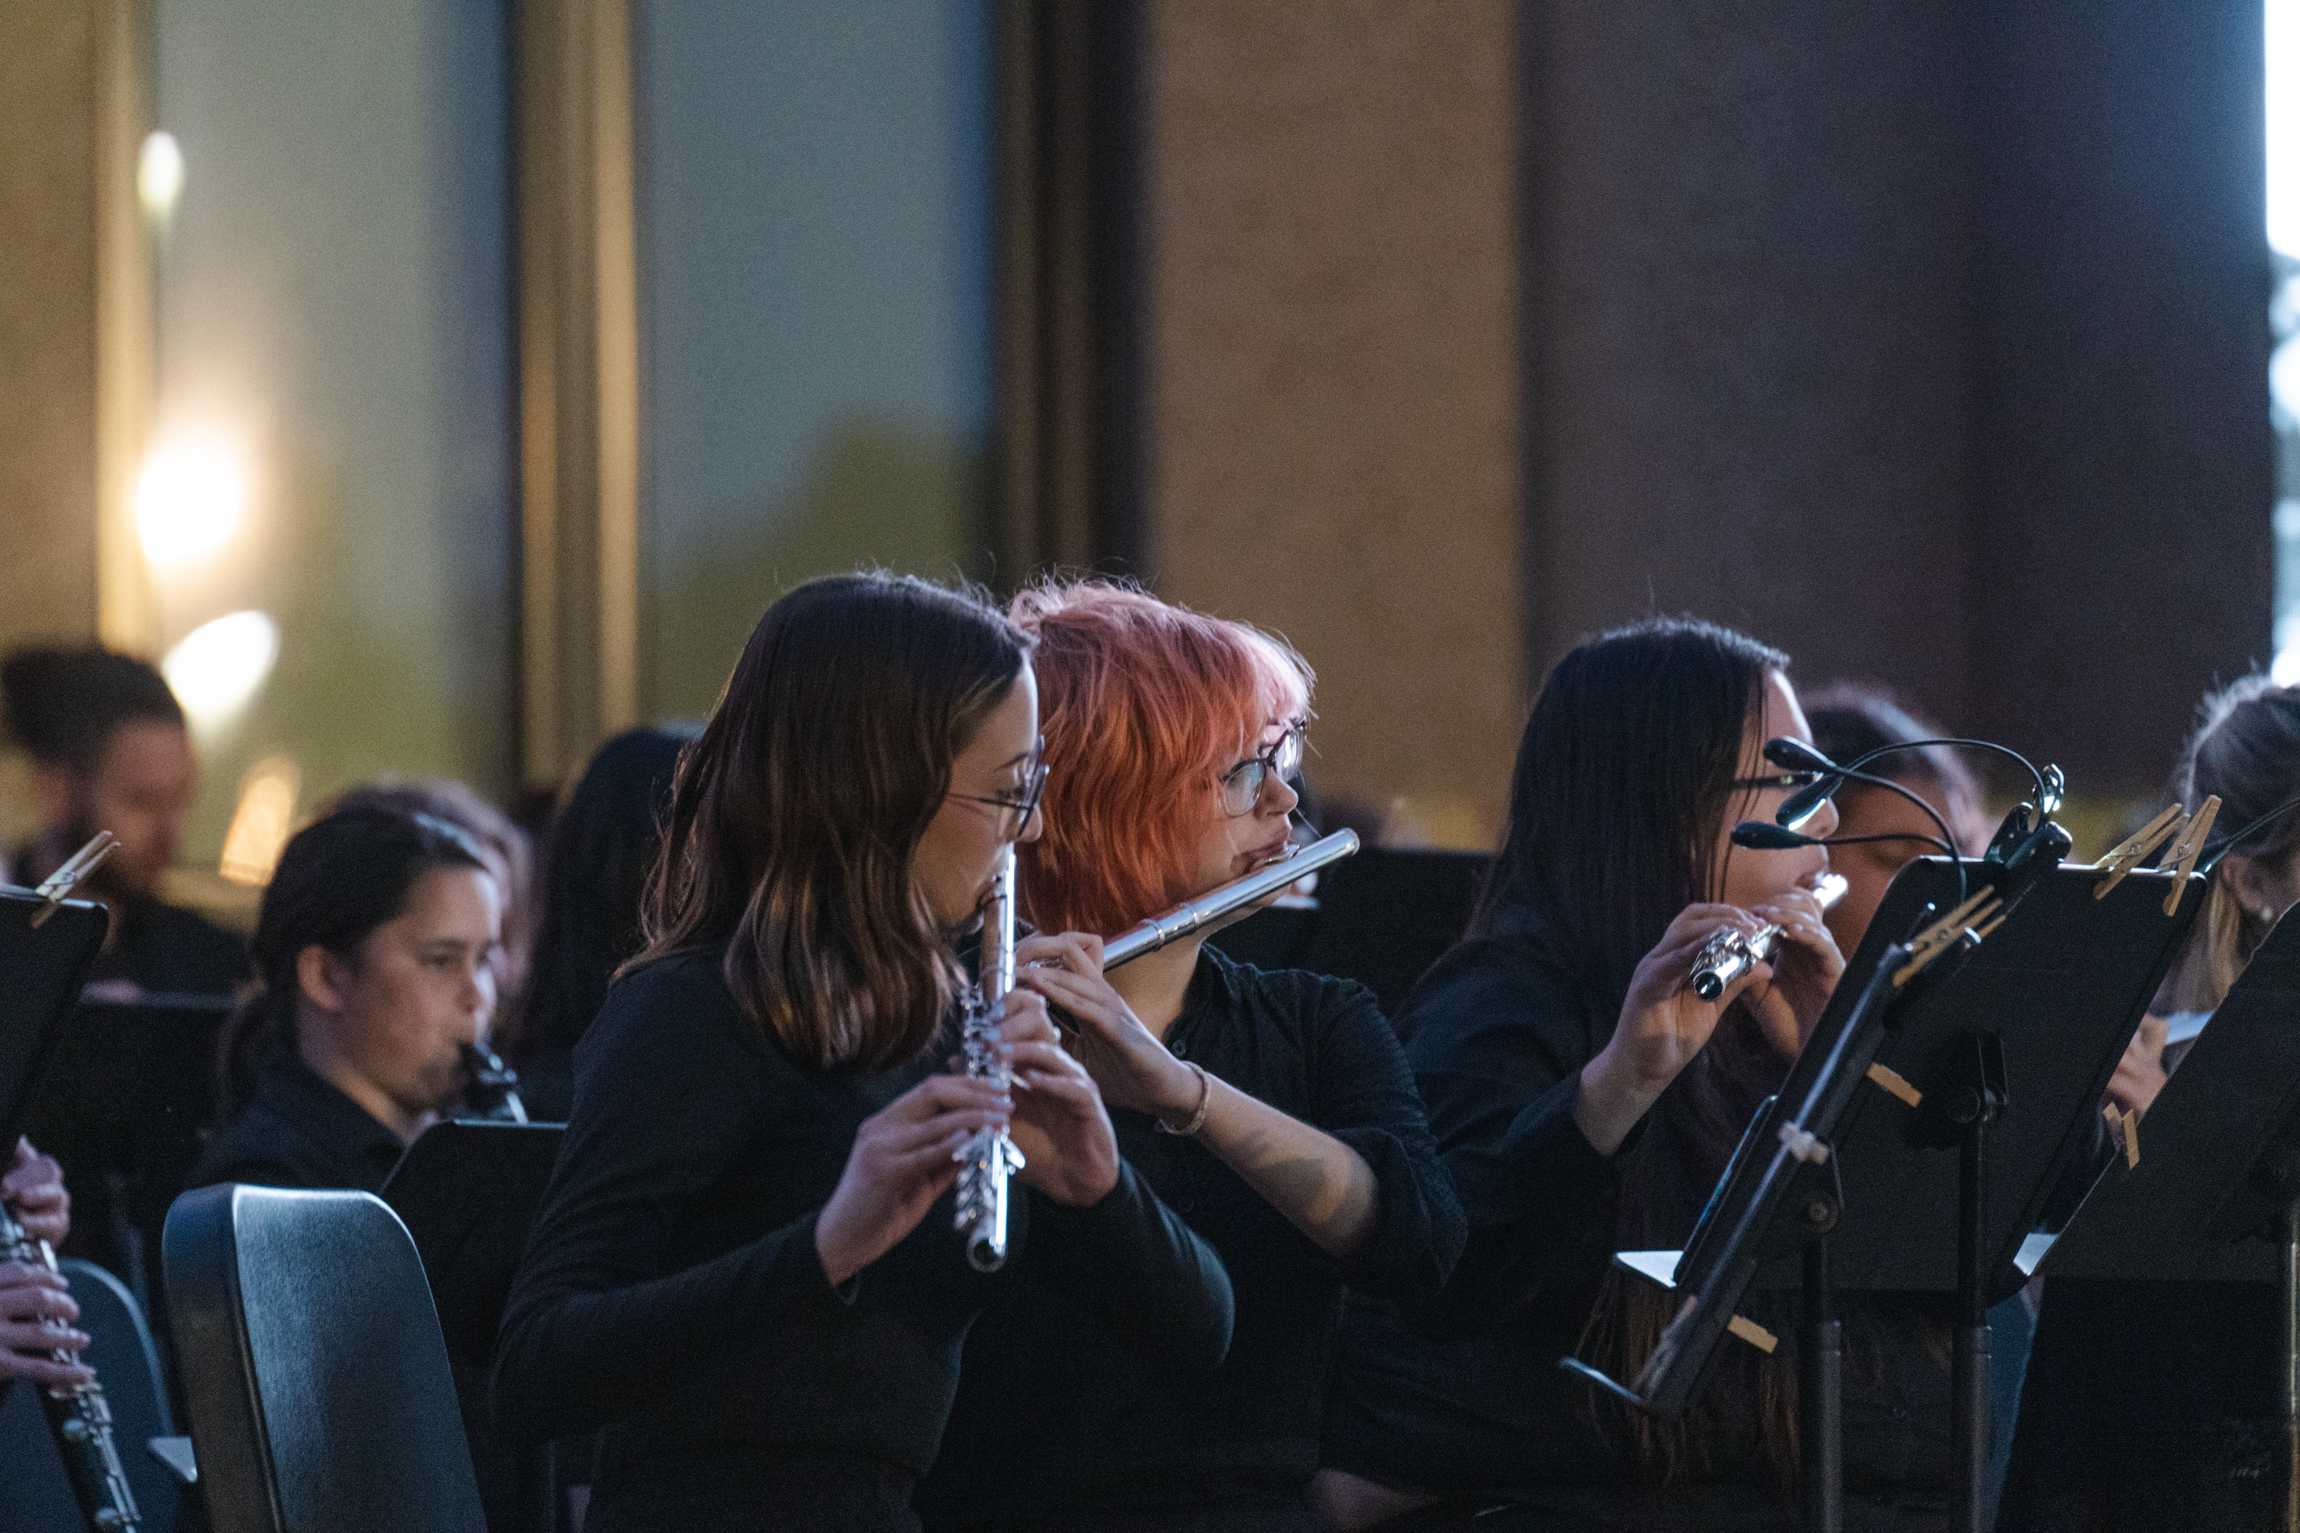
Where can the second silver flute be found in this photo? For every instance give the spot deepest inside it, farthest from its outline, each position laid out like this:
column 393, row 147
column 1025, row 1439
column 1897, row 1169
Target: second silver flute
column 1727, row 956
column 988, row 1159
column 1154, row 933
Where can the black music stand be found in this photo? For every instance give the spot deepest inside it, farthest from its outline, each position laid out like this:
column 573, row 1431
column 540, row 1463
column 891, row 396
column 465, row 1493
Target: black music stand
column 124, row 1103
column 1840, row 1183
column 2214, row 1193
column 46, row 948
column 468, row 1191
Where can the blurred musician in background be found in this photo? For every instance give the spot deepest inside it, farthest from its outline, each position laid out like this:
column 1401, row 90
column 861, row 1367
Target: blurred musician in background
column 33, row 1189
column 745, row 1270
column 595, row 860
column 1587, row 1102
column 110, row 752
column 375, row 957
column 2147, row 1404
column 1850, row 719
column 1274, row 1110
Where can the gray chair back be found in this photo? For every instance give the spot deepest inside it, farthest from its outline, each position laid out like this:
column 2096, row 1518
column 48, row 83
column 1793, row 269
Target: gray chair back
column 312, row 1366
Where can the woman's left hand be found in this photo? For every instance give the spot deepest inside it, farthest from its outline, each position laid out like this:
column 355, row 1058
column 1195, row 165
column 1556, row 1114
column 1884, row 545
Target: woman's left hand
column 1127, row 1061
column 34, row 1188
column 1805, row 969
column 1069, row 1151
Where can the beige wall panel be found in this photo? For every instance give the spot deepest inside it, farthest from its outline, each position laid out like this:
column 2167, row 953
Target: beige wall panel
column 47, row 321
column 1333, row 370
column 47, row 340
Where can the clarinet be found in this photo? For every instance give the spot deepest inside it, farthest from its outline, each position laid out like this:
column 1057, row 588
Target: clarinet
column 491, row 1091
column 77, row 1413
column 988, row 1159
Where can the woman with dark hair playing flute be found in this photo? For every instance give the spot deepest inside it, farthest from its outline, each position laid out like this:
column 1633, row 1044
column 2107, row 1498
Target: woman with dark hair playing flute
column 1273, row 1110
column 739, row 1270
column 1588, row 1099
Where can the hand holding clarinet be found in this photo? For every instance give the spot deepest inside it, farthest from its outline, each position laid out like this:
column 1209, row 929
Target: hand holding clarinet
column 36, row 1308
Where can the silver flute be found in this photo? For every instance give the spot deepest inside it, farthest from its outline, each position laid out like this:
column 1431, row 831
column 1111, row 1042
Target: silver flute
column 988, row 1159
column 1728, row 955
column 1150, row 935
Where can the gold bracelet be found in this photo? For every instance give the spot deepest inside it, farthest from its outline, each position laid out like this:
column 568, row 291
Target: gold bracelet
column 1197, row 1118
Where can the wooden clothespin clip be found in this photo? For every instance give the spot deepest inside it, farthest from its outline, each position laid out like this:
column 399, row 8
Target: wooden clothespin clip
column 2133, row 850
column 1753, row 1333
column 1894, row 1084
column 1979, row 907
column 58, row 886
column 2124, row 1128
column 2187, row 849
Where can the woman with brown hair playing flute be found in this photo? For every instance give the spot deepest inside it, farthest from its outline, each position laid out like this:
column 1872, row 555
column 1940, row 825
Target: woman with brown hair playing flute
column 745, row 1269
column 1273, row 1110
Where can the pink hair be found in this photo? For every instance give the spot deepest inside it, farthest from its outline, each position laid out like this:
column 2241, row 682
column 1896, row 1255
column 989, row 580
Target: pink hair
column 1143, row 705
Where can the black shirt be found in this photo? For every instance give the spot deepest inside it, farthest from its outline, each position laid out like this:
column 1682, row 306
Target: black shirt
column 1113, row 1436
column 299, row 1131
column 163, row 949
column 672, row 1292
column 1469, row 1398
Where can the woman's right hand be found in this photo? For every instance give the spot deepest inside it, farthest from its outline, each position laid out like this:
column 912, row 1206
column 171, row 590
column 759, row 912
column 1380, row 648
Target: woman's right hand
column 904, row 1157
column 1663, row 1024
column 29, row 1296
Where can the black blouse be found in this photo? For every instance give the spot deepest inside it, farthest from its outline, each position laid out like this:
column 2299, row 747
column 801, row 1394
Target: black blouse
column 671, row 1291
column 1063, row 1424
column 1466, row 1397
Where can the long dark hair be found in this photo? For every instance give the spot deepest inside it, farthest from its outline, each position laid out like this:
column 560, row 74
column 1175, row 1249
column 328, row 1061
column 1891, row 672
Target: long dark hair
column 601, row 846
column 338, row 879
column 797, row 813
column 1623, row 775
column 2246, row 749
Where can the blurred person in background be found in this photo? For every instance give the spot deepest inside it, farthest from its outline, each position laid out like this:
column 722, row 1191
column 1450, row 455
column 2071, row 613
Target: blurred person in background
column 1850, row 719
column 2202, row 1444
column 594, row 874
column 110, row 752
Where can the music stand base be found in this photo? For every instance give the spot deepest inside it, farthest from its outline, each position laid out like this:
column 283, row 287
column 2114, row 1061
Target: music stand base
column 1821, row 1397
column 2288, row 1358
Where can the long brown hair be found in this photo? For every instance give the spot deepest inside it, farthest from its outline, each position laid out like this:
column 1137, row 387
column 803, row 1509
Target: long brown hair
column 2246, row 749
column 796, row 815
column 1623, row 774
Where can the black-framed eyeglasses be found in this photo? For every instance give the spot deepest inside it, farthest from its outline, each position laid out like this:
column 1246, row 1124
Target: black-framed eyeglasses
column 1787, row 782
column 1020, row 805
column 1242, row 784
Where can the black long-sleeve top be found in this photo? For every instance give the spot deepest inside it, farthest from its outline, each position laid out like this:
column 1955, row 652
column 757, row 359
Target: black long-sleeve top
column 1061, row 1424
column 1467, row 1397
column 672, row 1294
column 298, row 1131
